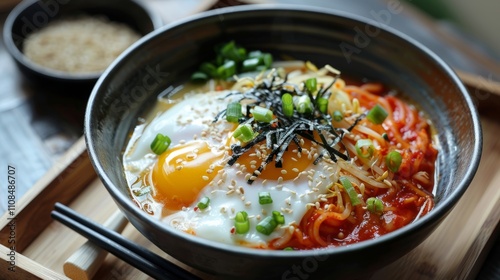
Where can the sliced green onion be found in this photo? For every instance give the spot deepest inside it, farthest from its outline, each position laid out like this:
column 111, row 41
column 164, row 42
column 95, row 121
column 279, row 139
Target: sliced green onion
column 393, row 161
column 255, row 54
column 353, row 195
column 203, row 203
column 364, row 148
column 377, row 114
column 199, row 77
column 265, row 198
column 241, row 222
column 288, row 249
column 160, row 144
column 375, row 205
column 338, row 116
column 142, row 191
column 322, row 104
column 311, row 84
column 304, row 104
column 262, row 114
column 267, row 58
column 267, row 225
column 233, row 112
column 250, row 64
column 287, row 103
column 279, row 217
column 244, row 133
column 385, row 136
column 226, row 70
column 232, row 52
column 209, row 69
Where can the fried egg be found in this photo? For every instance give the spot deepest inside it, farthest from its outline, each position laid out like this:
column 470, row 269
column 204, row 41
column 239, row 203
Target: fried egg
column 195, row 166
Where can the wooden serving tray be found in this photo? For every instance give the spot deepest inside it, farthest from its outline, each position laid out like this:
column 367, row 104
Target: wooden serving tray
column 455, row 250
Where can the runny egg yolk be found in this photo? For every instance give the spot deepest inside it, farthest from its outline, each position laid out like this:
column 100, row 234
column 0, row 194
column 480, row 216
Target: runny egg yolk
column 292, row 162
column 183, row 171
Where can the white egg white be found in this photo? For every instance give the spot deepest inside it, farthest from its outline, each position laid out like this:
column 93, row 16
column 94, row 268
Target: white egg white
column 229, row 191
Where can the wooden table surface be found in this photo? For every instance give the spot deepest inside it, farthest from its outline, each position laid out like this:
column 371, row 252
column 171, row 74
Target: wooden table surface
column 38, row 125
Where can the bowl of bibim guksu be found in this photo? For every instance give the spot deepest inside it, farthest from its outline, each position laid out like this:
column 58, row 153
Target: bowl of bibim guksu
column 66, row 43
column 262, row 142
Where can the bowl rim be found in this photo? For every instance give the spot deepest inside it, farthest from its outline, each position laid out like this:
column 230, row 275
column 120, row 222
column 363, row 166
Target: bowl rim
column 20, row 58
column 438, row 213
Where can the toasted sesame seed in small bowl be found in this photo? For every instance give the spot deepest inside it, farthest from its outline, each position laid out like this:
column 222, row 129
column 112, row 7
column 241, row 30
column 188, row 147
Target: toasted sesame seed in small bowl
column 72, row 42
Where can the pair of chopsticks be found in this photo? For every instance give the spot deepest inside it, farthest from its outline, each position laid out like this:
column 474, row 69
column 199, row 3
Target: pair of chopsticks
column 135, row 255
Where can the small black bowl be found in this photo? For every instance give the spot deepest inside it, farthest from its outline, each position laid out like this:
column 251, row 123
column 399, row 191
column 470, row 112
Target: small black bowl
column 32, row 15
column 130, row 86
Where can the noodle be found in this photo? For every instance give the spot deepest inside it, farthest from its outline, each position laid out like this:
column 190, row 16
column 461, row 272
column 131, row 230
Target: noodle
column 389, row 164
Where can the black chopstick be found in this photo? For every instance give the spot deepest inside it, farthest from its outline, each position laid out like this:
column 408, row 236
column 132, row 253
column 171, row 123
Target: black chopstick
column 135, row 255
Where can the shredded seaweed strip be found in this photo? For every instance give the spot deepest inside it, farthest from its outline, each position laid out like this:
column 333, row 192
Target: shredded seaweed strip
column 279, row 133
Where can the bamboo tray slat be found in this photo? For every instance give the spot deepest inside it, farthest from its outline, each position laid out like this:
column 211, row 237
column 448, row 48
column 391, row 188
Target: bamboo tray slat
column 454, row 251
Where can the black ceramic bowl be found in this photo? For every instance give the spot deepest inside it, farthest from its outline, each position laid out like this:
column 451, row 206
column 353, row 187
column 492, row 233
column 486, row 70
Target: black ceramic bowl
column 168, row 56
column 32, row 15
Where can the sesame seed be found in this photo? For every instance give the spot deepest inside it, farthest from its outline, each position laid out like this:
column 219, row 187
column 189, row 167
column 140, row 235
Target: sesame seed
column 252, row 178
column 229, row 192
column 253, row 162
column 319, row 184
column 295, row 169
column 316, row 205
column 178, row 167
column 279, row 186
column 294, row 159
column 258, row 217
column 387, row 183
column 205, row 178
column 283, row 171
column 242, row 198
column 242, row 190
column 257, row 172
column 247, row 177
column 280, row 180
column 248, row 203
